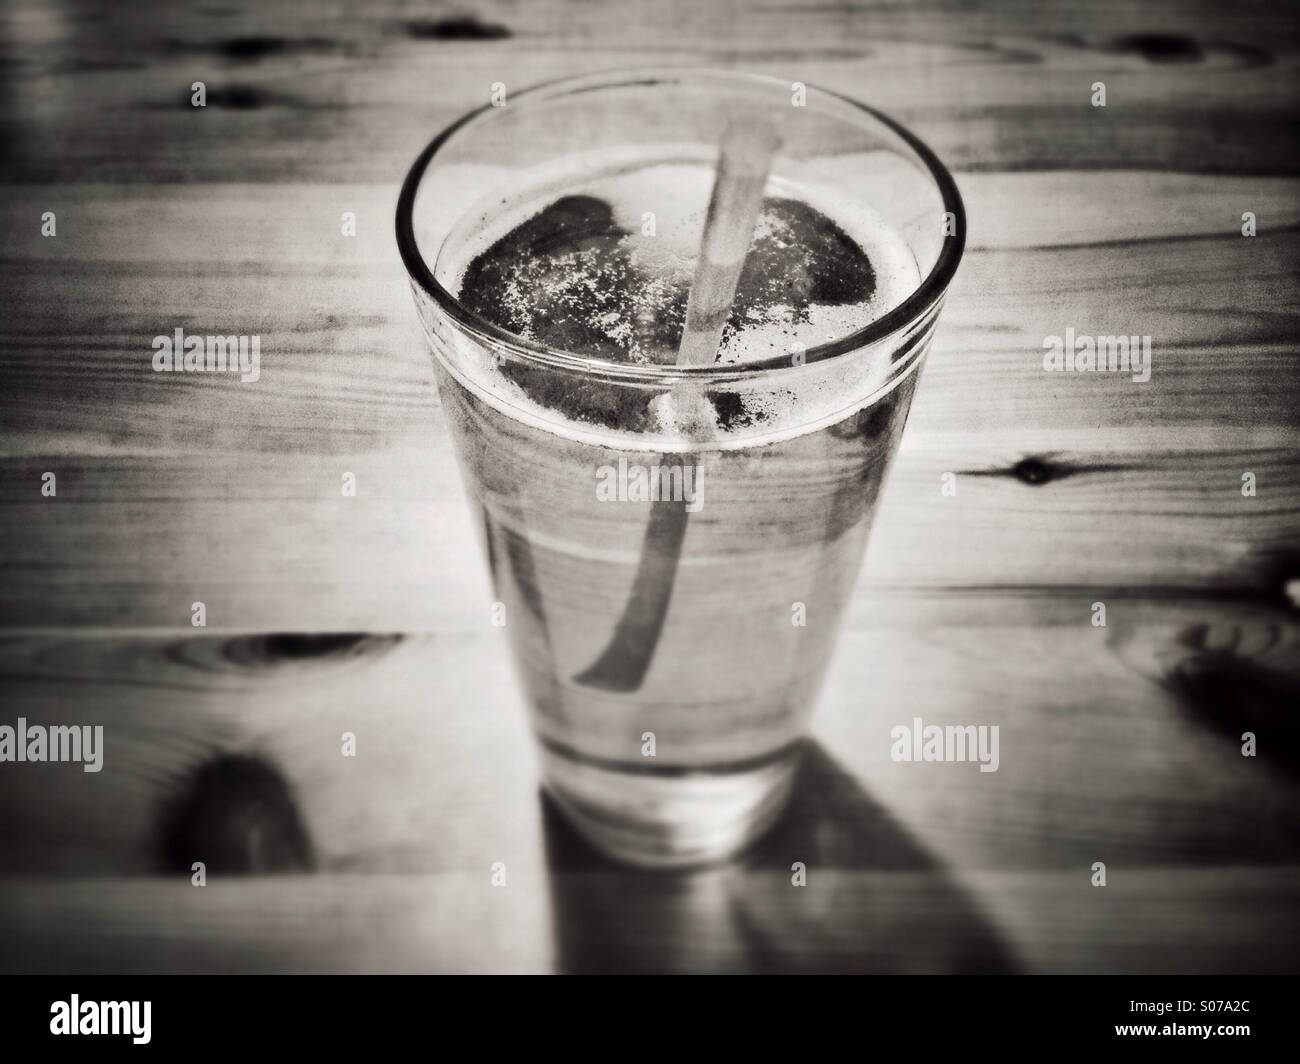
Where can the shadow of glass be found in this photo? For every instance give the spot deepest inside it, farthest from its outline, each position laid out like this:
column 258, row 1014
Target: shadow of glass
column 873, row 899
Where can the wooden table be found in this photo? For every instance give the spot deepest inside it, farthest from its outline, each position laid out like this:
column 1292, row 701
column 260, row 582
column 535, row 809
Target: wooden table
column 328, row 614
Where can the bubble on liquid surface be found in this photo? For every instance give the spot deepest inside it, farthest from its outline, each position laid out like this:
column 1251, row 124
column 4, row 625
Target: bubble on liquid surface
column 571, row 277
column 579, row 274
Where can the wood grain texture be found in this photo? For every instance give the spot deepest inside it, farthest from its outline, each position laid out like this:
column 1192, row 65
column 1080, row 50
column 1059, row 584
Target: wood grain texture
column 370, row 614
column 1119, row 741
column 736, row 921
column 281, row 548
column 346, row 387
column 994, row 86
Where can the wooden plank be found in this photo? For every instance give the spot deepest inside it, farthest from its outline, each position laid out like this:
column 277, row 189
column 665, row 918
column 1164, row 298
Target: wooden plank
column 253, row 225
column 995, row 86
column 344, row 366
column 445, row 923
column 1152, row 921
column 272, row 543
column 1120, row 744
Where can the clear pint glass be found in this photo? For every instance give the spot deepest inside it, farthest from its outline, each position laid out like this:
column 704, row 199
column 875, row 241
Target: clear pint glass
column 673, row 546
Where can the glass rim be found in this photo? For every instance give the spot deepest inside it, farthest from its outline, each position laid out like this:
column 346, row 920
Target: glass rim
column 915, row 308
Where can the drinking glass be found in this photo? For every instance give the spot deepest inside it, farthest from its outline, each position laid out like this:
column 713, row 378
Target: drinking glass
column 671, row 648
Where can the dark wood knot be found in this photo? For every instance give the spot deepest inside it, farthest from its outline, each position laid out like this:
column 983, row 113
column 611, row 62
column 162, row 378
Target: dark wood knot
column 454, row 28
column 1161, row 47
column 236, row 814
column 306, row 646
column 1033, row 471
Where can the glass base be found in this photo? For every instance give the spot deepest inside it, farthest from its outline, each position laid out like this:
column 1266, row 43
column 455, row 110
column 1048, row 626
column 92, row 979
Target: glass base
column 669, row 819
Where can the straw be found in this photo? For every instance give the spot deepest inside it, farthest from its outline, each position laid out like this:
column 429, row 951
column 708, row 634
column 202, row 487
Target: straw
column 744, row 160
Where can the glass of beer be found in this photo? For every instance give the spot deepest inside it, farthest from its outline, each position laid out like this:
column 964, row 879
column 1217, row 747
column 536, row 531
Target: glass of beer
column 671, row 545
